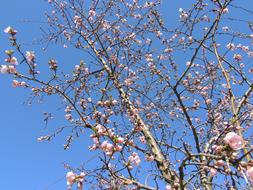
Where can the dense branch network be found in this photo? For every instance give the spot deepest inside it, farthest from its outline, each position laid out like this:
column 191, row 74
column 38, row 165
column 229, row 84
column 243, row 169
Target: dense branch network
column 164, row 107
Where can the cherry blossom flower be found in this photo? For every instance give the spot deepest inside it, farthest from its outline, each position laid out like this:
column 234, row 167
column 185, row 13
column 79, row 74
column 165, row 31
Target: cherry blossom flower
column 134, row 159
column 149, row 4
column 10, row 30
column 12, row 60
column 220, row 163
column 100, row 129
column 142, row 139
column 4, row 69
column 70, row 176
column 251, row 114
column 168, row 187
column 213, row 171
column 245, row 48
column 92, row 13
column 224, row 11
column 183, row 15
column 237, row 57
column 107, row 147
column 234, row 141
column 23, row 83
column 118, row 148
column 11, row 69
column 217, row 149
column 249, row 173
column 231, row 46
column 159, row 34
column 120, row 140
column 30, row 56
column 43, row 138
column 78, row 21
column 250, row 54
column 208, row 101
column 15, row 83
column 68, row 116
column 128, row 82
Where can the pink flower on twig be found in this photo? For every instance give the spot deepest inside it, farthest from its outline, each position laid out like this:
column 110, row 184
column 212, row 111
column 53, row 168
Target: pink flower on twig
column 234, row 141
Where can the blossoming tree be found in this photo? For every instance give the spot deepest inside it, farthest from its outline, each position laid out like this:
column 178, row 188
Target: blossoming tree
column 164, row 107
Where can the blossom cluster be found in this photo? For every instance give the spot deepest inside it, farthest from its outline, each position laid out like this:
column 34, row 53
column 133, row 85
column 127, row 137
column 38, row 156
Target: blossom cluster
column 73, row 178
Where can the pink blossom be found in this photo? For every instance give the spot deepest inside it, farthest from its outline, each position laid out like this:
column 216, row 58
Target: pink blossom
column 7, row 30
column 71, row 177
column 43, row 138
column 15, row 83
column 237, row 57
column 12, row 60
column 107, row 147
column 77, row 67
column 134, row 159
column 120, row 140
column 142, row 139
column 168, row 187
column 251, row 114
column 183, row 15
column 114, row 102
column 190, row 38
column 118, row 148
column 225, row 10
column 78, row 20
column 22, row 83
column 30, row 56
column 4, row 69
column 100, row 129
column 168, row 50
column 213, row 171
column 231, row 46
column 148, row 41
column 245, row 48
column 82, row 175
column 234, row 141
column 159, row 34
column 12, row 69
column 250, row 54
column 149, row 4
column 128, row 82
column 220, row 163
column 10, row 30
column 92, row 13
column 217, row 149
column 249, row 173
column 208, row 101
column 68, row 116
column 68, row 109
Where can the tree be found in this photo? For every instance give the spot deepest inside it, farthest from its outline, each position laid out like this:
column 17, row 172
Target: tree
column 162, row 106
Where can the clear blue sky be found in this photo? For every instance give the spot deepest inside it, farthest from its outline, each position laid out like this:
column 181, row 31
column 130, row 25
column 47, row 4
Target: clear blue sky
column 25, row 163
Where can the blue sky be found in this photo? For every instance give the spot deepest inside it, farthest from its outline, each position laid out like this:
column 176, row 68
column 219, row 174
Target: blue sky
column 25, row 163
